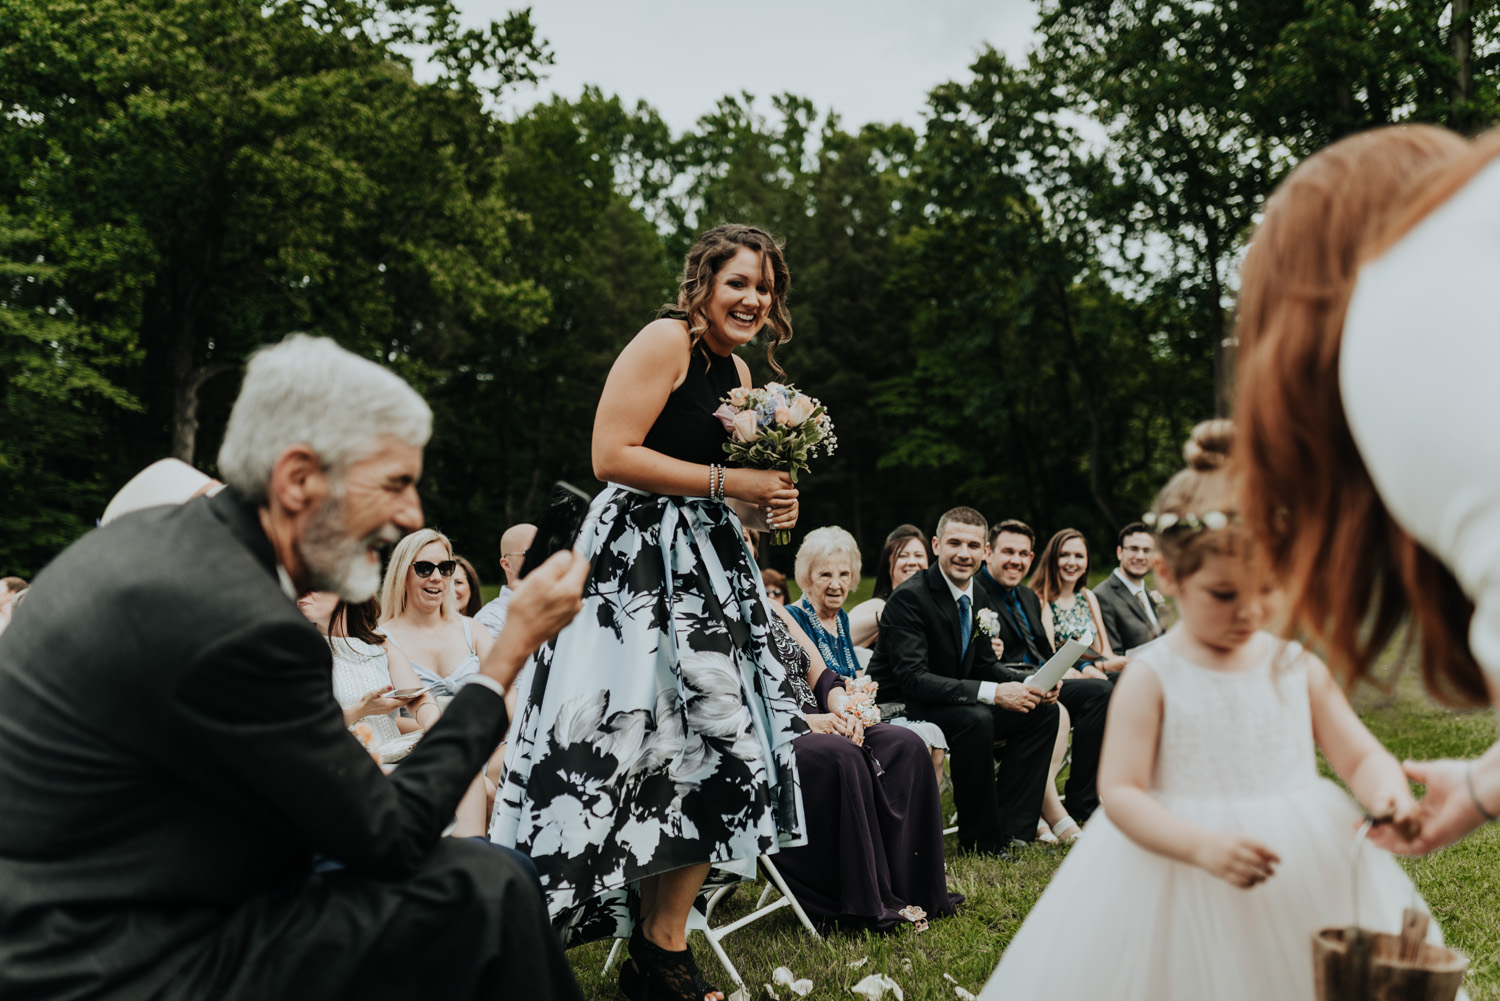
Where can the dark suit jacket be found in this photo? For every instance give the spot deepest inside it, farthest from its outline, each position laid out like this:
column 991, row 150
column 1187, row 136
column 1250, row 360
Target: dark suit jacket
column 1018, row 642
column 917, row 657
column 1125, row 621
column 170, row 748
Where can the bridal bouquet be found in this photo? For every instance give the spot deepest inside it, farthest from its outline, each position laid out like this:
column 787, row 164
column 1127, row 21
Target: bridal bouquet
column 776, row 427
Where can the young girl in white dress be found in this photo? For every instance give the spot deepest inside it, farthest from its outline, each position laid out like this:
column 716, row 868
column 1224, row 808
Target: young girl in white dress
column 1219, row 849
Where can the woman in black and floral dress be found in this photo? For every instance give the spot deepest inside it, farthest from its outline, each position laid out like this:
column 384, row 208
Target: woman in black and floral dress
column 656, row 739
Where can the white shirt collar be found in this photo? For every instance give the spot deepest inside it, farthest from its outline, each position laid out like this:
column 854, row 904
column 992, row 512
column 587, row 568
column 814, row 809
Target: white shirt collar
column 285, row 579
column 1134, row 588
column 955, row 590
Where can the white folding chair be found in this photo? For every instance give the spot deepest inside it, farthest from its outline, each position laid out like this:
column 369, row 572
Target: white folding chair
column 703, row 921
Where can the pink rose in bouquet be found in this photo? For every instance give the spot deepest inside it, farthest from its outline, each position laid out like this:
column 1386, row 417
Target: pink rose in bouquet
column 745, row 427
column 776, row 427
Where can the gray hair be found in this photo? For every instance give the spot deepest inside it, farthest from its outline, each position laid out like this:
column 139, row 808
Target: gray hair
column 826, row 544
column 309, row 391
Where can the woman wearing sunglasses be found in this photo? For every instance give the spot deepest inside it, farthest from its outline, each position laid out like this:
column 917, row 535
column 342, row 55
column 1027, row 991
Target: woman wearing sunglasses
column 419, row 615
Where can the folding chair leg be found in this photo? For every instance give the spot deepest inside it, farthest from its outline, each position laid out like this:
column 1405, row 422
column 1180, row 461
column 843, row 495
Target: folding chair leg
column 775, row 874
column 614, row 953
column 723, row 957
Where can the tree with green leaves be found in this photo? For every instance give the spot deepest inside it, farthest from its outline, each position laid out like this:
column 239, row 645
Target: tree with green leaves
column 188, row 180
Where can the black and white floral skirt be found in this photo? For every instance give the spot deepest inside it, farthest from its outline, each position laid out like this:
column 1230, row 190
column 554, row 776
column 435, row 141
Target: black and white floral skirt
column 657, row 729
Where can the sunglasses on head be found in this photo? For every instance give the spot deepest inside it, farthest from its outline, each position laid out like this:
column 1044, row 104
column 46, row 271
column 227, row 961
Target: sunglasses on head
column 424, row 569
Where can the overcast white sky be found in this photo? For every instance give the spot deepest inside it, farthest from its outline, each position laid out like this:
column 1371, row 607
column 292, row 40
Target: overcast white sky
column 869, row 60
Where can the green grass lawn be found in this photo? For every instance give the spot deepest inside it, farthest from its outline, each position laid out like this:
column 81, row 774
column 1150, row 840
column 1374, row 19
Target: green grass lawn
column 1461, row 884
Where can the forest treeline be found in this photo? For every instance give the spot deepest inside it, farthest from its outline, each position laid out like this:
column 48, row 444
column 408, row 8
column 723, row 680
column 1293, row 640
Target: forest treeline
column 1021, row 302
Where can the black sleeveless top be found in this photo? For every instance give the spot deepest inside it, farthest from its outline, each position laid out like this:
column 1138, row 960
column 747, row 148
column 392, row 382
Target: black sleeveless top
column 686, row 428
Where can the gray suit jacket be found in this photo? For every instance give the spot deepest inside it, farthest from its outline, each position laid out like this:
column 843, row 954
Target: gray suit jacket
column 170, row 749
column 1125, row 621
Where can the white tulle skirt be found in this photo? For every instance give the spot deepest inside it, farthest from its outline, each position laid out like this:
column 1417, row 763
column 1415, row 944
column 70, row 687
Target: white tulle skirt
column 1122, row 922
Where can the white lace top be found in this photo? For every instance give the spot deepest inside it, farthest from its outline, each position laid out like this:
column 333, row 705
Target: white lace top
column 358, row 668
column 1232, row 735
column 1417, row 371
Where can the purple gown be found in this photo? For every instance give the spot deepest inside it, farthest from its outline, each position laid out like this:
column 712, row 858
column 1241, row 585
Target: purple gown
column 874, row 822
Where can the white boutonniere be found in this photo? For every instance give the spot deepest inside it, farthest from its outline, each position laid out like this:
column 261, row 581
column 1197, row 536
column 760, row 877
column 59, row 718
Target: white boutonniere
column 1157, row 598
column 989, row 621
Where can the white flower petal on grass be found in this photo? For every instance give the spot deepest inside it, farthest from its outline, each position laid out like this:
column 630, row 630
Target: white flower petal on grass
column 858, row 963
column 783, row 976
column 739, row 994
column 875, row 986
column 771, row 993
column 963, row 995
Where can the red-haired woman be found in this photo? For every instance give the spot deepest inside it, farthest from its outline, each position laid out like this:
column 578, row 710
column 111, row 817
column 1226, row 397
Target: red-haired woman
column 1369, row 340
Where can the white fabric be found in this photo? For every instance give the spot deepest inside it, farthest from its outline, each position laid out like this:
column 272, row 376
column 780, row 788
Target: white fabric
column 1138, row 588
column 1235, row 754
column 165, row 481
column 1418, row 373
column 358, row 669
column 484, row 681
column 492, row 616
column 958, row 592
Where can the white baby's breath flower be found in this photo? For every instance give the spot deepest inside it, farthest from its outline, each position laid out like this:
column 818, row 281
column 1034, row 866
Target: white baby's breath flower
column 989, row 621
column 1215, row 520
column 1166, row 521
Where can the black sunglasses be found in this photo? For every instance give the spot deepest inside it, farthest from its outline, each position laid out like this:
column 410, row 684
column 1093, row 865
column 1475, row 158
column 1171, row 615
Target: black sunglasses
column 775, row 592
column 424, row 569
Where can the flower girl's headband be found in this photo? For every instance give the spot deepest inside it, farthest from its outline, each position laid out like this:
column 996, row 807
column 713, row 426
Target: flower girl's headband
column 1209, row 520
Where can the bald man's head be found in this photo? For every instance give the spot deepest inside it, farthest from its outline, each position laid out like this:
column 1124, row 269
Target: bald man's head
column 513, row 545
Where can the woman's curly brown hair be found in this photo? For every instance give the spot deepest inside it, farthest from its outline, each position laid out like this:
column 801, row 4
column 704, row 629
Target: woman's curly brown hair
column 715, row 248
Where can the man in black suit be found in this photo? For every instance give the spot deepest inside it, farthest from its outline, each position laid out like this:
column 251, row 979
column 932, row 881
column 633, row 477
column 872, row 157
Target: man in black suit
column 933, row 652
column 1084, row 696
column 172, row 759
column 1130, row 616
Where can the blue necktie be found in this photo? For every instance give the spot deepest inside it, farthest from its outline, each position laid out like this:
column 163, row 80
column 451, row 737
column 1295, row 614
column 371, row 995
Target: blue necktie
column 964, row 625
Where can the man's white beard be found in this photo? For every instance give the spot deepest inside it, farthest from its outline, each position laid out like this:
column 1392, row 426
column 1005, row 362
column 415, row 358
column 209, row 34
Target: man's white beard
column 334, row 561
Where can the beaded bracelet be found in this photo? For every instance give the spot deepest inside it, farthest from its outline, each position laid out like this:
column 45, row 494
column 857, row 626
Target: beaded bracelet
column 1474, row 796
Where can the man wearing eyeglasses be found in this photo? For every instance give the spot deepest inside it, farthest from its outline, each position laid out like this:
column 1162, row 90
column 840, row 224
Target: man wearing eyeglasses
column 167, row 789
column 513, row 545
column 1132, row 617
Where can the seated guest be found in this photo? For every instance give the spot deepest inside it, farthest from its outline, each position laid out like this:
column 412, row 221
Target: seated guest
column 934, row 654
column 1069, row 609
column 874, row 852
column 1086, row 700
column 1127, row 609
column 827, row 570
column 466, row 589
column 160, row 824
column 365, row 668
column 513, row 545
column 1069, row 612
column 904, row 553
column 775, row 582
column 418, row 616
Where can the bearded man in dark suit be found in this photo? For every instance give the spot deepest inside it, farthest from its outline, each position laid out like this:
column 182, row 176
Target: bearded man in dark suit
column 1085, row 694
column 172, row 758
column 933, row 653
